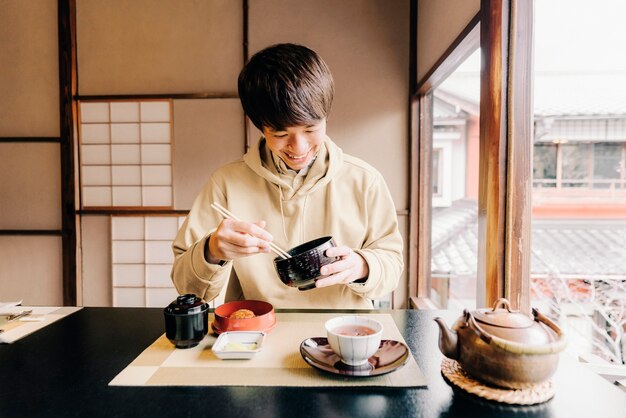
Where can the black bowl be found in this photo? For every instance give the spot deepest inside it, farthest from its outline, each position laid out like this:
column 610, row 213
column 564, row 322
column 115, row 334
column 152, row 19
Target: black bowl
column 186, row 321
column 302, row 269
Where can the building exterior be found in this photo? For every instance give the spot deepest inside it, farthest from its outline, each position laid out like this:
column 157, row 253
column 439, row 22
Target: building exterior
column 579, row 196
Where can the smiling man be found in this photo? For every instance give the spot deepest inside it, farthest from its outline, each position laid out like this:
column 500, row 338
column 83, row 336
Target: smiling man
column 295, row 185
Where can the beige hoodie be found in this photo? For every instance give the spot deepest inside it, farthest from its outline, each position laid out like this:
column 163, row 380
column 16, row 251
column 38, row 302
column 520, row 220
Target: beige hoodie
column 341, row 196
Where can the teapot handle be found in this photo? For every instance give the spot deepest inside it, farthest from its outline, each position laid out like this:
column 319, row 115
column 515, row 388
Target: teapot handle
column 519, row 348
column 504, row 303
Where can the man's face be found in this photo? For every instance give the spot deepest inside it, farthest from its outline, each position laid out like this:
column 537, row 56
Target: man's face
column 296, row 145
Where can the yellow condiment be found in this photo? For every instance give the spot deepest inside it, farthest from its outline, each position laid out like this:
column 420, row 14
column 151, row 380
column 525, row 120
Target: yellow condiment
column 235, row 346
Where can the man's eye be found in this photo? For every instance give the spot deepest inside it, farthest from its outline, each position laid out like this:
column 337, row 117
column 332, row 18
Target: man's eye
column 280, row 135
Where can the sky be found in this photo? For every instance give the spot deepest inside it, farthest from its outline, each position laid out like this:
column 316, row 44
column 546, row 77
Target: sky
column 576, row 36
column 579, row 60
column 580, row 35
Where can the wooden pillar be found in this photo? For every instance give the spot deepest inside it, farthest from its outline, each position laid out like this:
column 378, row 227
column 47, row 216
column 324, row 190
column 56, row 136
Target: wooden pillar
column 504, row 216
column 519, row 163
column 493, row 150
column 67, row 91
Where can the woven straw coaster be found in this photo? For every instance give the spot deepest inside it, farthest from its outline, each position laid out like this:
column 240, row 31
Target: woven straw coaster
column 454, row 373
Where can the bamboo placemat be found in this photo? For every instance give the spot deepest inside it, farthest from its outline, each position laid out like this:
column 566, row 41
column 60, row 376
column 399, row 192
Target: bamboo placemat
column 278, row 364
column 41, row 317
column 534, row 394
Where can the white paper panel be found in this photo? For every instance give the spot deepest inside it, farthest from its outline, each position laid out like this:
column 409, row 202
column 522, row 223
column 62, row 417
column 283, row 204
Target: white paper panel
column 161, row 228
column 124, row 112
column 125, row 154
column 96, row 175
column 128, row 275
column 94, row 112
column 160, row 298
column 158, row 275
column 94, row 133
column 126, row 175
column 96, row 196
column 156, row 175
column 125, row 133
column 155, row 154
column 126, row 196
column 155, row 111
column 129, row 297
column 127, row 228
column 157, row 196
column 131, row 252
column 155, row 132
column 95, row 154
column 159, row 252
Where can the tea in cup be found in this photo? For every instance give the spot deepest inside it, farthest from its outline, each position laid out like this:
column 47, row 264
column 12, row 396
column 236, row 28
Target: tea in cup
column 354, row 338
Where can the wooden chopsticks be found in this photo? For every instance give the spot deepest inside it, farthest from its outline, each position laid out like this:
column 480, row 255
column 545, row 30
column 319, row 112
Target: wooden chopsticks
column 229, row 215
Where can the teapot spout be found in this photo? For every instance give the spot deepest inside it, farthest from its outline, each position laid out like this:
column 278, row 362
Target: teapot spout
column 448, row 340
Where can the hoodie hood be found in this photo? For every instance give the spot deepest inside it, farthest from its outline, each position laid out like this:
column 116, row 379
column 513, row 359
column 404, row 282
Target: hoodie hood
column 324, row 169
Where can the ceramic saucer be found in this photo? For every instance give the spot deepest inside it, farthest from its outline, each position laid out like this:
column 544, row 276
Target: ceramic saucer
column 391, row 355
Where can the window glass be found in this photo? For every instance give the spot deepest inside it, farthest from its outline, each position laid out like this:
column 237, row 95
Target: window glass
column 578, row 235
column 607, row 165
column 436, row 178
column 576, row 164
column 544, row 165
column 454, row 179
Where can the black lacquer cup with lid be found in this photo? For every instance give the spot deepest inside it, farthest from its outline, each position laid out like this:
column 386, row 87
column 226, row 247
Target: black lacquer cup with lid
column 186, row 321
column 302, row 269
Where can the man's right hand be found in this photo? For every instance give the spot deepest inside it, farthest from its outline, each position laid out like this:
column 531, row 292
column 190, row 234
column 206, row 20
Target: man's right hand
column 235, row 239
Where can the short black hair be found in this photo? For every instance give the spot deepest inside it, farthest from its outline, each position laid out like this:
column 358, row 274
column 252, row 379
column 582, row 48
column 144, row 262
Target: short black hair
column 286, row 85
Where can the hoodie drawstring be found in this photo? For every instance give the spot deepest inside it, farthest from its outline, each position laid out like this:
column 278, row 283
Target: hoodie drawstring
column 282, row 212
column 304, row 218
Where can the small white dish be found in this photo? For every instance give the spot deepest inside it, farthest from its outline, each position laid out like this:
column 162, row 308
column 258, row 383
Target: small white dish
column 238, row 344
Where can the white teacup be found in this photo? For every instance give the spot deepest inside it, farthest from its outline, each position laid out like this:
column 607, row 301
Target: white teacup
column 354, row 338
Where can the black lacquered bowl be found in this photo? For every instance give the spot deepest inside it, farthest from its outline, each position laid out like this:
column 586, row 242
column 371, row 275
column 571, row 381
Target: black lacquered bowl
column 302, row 269
column 186, row 321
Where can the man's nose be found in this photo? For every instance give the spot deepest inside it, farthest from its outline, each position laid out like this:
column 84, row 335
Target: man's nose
column 298, row 142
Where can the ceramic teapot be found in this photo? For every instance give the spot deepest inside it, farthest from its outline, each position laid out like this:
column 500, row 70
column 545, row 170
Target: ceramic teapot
column 502, row 347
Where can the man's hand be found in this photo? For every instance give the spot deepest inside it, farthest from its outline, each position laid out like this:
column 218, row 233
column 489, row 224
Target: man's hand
column 350, row 267
column 235, row 239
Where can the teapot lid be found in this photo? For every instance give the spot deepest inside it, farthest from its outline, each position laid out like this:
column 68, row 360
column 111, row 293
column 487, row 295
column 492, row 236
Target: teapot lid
column 503, row 317
column 186, row 304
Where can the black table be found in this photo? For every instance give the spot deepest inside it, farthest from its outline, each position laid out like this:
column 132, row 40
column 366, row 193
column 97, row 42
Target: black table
column 64, row 370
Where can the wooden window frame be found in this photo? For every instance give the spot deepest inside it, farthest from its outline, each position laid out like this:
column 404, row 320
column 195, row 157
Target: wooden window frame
column 504, row 31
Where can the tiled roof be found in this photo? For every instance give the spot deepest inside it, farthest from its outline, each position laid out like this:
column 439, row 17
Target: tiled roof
column 571, row 248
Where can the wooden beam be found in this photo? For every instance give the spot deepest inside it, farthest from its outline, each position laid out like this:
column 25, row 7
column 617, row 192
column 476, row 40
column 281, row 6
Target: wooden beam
column 493, row 151
column 67, row 85
column 414, row 161
column 424, row 195
column 54, row 232
column 118, row 211
column 461, row 48
column 519, row 161
column 155, row 96
column 27, row 139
